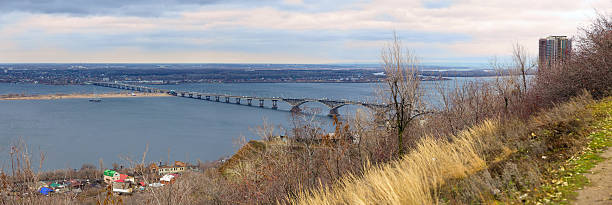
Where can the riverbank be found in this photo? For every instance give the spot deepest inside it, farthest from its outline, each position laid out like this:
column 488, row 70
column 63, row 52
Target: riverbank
column 59, row 96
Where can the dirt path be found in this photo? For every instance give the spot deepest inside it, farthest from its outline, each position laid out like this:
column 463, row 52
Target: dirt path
column 600, row 189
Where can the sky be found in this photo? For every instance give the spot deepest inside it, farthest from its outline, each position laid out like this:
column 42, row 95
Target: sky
column 280, row 31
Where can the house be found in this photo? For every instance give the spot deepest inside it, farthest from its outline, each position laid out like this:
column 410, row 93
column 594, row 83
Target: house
column 122, row 187
column 177, row 168
column 180, row 164
column 111, row 176
column 167, row 179
column 125, row 178
column 170, row 170
column 153, row 168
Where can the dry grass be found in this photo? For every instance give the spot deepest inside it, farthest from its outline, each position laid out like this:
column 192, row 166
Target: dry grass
column 484, row 163
column 416, row 177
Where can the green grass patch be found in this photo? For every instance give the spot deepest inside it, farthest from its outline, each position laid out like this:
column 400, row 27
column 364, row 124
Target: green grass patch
column 569, row 177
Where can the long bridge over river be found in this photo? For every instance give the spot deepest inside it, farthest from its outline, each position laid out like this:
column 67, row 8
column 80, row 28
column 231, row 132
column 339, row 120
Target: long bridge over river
column 295, row 103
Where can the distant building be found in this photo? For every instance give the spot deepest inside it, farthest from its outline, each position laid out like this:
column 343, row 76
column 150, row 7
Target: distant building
column 553, row 49
column 168, row 179
column 170, row 170
column 165, row 169
column 111, row 176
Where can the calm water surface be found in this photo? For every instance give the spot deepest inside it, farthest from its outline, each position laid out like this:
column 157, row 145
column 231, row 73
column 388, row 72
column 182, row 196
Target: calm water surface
column 75, row 131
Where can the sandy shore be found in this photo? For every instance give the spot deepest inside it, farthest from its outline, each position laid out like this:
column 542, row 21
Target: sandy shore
column 81, row 95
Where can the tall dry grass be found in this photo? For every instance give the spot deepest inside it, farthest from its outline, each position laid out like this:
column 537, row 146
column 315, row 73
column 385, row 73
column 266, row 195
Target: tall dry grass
column 479, row 164
column 413, row 179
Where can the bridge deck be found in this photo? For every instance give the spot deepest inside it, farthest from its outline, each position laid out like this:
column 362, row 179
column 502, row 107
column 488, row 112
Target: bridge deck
column 294, row 102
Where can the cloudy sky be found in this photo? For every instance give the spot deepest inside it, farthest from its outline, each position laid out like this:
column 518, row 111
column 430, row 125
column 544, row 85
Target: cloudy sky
column 279, row 31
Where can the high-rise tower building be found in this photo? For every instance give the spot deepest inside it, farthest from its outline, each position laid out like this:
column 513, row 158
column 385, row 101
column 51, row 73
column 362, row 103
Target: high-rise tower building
column 553, row 49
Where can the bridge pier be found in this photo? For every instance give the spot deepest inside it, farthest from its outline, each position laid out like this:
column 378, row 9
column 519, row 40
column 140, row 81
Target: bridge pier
column 199, row 96
column 227, row 99
column 237, row 100
column 249, row 101
column 333, row 112
column 190, row 95
column 296, row 109
column 274, row 106
column 182, row 94
column 261, row 103
column 217, row 98
column 208, row 97
column 295, row 104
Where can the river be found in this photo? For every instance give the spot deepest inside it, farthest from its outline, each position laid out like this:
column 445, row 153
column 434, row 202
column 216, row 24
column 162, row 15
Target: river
column 71, row 132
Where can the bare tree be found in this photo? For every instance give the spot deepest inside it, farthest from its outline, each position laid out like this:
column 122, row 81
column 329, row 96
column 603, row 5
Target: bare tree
column 522, row 62
column 88, row 166
column 402, row 93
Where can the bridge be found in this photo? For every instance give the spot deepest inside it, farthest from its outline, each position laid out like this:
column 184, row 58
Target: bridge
column 295, row 103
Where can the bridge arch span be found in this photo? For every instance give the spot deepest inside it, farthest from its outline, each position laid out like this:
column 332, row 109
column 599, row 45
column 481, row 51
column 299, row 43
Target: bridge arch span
column 334, row 111
column 295, row 104
column 333, row 106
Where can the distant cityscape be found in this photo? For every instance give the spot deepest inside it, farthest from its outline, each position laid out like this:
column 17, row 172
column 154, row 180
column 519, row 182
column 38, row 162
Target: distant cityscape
column 59, row 74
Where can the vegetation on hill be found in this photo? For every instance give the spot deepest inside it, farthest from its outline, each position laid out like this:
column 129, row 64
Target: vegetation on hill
column 493, row 161
column 529, row 148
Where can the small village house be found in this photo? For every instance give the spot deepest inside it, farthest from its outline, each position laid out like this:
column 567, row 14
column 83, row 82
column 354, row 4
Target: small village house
column 167, row 179
column 111, row 176
column 178, row 167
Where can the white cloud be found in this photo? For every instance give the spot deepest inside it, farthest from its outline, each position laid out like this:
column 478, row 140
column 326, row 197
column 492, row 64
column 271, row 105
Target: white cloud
column 293, row 2
column 491, row 25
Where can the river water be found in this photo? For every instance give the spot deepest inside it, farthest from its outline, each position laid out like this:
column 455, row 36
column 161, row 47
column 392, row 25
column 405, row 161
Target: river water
column 71, row 132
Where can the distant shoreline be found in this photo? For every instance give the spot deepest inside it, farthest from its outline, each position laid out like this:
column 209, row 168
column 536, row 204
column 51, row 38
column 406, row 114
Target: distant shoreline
column 60, row 96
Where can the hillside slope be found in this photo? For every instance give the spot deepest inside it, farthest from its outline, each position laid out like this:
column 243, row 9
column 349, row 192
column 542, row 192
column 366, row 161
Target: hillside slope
column 498, row 160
